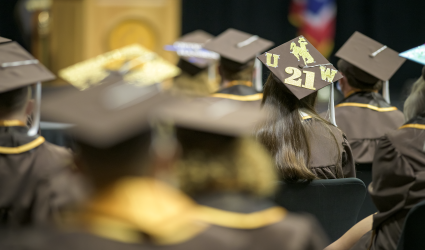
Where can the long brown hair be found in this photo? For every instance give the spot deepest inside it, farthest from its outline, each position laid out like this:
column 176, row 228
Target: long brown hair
column 415, row 103
column 286, row 135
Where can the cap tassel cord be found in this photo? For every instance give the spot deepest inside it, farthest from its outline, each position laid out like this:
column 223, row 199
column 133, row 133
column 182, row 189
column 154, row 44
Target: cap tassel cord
column 258, row 76
column 386, row 92
column 36, row 121
column 378, row 51
column 332, row 105
column 19, row 63
column 247, row 41
column 212, row 72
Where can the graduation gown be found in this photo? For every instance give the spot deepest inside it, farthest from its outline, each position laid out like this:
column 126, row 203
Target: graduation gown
column 398, row 180
column 324, row 154
column 36, row 179
column 133, row 213
column 365, row 117
column 239, row 91
column 265, row 225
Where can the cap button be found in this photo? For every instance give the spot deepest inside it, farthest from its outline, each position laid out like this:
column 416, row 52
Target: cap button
column 301, row 66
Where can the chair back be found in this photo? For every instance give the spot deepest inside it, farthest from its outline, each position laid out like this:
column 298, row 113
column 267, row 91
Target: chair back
column 364, row 173
column 334, row 202
column 412, row 235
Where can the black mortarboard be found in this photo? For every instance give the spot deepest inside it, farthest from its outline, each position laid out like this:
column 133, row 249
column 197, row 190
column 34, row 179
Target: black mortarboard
column 300, row 66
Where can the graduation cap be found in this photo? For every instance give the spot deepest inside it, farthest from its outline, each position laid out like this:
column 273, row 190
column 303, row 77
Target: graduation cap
column 301, row 68
column 139, row 66
column 106, row 115
column 416, row 54
column 4, row 40
column 217, row 116
column 373, row 58
column 18, row 69
column 193, row 57
column 237, row 49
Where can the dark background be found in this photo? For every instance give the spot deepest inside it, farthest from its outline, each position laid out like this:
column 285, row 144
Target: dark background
column 399, row 24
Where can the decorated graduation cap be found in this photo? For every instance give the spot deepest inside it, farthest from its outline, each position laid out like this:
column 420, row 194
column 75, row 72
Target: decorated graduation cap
column 217, row 116
column 4, row 40
column 301, row 68
column 368, row 61
column 237, row 49
column 416, row 54
column 193, row 57
column 106, row 115
column 18, row 69
column 138, row 65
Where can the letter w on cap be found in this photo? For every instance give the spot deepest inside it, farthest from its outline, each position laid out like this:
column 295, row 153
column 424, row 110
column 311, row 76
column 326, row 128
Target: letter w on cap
column 327, row 74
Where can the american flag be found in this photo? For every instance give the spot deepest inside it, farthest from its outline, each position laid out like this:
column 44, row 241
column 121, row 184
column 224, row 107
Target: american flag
column 315, row 20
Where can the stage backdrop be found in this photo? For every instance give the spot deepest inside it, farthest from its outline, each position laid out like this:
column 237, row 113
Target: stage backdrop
column 82, row 29
column 397, row 24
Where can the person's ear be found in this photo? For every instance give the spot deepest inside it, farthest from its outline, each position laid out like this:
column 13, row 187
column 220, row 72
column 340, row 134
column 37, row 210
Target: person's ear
column 29, row 107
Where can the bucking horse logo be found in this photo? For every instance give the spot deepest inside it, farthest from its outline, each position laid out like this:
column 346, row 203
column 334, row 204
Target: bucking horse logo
column 302, row 51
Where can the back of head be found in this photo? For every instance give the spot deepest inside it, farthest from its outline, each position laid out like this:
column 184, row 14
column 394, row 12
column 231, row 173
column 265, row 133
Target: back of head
column 13, row 101
column 415, row 103
column 234, row 71
column 217, row 163
column 285, row 134
column 104, row 166
column 358, row 78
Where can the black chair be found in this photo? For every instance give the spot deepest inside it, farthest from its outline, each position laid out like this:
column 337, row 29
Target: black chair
column 364, row 173
column 412, row 236
column 335, row 203
column 56, row 133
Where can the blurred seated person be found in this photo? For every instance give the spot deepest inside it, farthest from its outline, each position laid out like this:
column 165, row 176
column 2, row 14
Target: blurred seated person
column 397, row 183
column 238, row 51
column 364, row 115
column 122, row 157
column 231, row 176
column 303, row 145
column 36, row 177
column 198, row 66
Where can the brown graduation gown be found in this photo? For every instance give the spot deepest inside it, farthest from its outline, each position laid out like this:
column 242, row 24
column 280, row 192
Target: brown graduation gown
column 365, row 117
column 239, row 91
column 36, row 179
column 398, row 181
column 324, row 154
column 265, row 225
column 133, row 213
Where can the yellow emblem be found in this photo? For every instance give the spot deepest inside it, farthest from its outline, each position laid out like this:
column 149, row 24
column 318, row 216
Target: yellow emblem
column 327, row 74
column 302, row 51
column 275, row 60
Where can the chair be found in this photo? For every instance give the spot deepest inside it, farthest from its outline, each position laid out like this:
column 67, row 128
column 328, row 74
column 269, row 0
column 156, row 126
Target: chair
column 335, row 203
column 56, row 133
column 364, row 173
column 412, row 236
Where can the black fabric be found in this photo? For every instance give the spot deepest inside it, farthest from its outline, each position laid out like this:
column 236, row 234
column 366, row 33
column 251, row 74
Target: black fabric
column 372, row 98
column 364, row 173
column 335, row 203
column 419, row 119
column 241, row 90
column 188, row 67
column 234, row 202
column 15, row 136
column 412, row 236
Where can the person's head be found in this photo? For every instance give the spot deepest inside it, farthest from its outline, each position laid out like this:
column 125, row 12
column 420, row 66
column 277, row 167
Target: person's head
column 415, row 103
column 104, row 166
column 285, row 134
column 233, row 71
column 16, row 104
column 356, row 79
column 216, row 163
